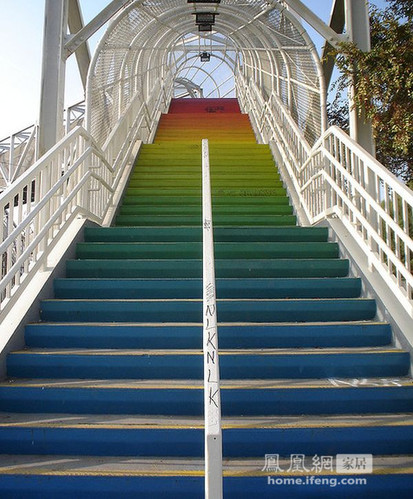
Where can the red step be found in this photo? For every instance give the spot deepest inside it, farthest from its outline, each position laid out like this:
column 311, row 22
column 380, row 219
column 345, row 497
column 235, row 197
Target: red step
column 204, row 106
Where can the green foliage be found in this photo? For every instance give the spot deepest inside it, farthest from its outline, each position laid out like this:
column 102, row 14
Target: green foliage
column 402, row 8
column 396, row 212
column 383, row 81
column 337, row 112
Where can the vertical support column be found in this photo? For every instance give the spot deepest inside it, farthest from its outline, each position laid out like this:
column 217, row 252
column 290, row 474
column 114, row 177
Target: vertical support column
column 75, row 23
column 12, row 167
column 53, row 75
column 358, row 29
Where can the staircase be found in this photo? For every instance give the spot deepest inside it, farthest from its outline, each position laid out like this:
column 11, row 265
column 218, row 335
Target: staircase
column 107, row 398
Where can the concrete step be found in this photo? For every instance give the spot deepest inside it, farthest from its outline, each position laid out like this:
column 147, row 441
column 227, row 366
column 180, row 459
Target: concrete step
column 219, row 212
column 182, row 437
column 187, row 268
column 190, row 220
column 192, row 288
column 195, row 201
column 237, row 311
column 230, row 234
column 188, row 364
column 219, row 191
column 193, row 250
column 85, row 478
column 276, row 335
column 185, row 397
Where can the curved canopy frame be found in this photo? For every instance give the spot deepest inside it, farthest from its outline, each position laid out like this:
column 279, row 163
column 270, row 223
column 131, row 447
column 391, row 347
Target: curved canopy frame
column 151, row 40
column 214, row 78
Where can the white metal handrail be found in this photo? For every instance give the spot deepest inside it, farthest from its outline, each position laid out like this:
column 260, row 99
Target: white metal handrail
column 337, row 177
column 75, row 178
column 40, row 205
column 19, row 151
column 341, row 178
column 212, row 395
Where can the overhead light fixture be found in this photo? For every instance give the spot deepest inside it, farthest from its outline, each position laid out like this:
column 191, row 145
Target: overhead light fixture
column 205, row 56
column 204, row 17
column 204, row 27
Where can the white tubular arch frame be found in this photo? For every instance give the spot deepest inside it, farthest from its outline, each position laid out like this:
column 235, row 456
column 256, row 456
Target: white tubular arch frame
column 134, row 57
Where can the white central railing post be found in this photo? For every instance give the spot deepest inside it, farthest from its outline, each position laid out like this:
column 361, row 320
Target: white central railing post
column 212, row 396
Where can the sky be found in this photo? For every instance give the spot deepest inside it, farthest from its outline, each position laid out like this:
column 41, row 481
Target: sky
column 21, row 39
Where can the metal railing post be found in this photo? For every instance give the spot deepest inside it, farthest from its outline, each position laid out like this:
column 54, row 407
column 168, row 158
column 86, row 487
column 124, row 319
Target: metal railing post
column 212, row 396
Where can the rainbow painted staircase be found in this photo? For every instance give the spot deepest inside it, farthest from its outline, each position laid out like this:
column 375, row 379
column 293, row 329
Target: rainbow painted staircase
column 107, row 401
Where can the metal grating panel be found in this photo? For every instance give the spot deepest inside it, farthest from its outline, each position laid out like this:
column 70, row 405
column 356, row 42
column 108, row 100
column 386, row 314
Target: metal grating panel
column 152, row 38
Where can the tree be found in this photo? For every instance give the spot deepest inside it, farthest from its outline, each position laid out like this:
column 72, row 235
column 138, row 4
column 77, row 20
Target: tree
column 383, row 81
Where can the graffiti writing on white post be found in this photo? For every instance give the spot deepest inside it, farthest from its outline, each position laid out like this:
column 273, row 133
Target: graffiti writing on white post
column 212, row 396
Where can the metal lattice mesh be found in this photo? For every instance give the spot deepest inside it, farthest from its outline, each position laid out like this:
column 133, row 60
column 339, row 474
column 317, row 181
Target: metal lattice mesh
column 152, row 39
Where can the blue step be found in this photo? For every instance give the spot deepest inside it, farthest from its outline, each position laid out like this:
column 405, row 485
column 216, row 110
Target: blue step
column 189, row 220
column 379, row 436
column 193, row 250
column 322, row 310
column 104, row 335
column 190, row 268
column 180, row 485
column 86, row 485
column 160, row 364
column 192, row 288
column 266, row 398
column 231, row 234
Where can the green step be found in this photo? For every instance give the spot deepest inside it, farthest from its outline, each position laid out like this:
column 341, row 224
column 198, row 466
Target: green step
column 190, row 311
column 247, row 164
column 221, row 174
column 249, row 192
column 194, row 250
column 230, row 157
column 195, row 210
column 135, row 220
column 339, row 287
column 250, row 154
column 248, row 202
column 192, row 181
column 160, row 178
column 234, row 268
column 155, row 168
column 231, row 234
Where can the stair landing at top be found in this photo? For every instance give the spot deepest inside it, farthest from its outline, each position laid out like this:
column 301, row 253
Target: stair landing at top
column 204, row 106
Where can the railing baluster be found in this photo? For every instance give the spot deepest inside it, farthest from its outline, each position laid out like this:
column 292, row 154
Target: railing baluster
column 76, row 176
column 357, row 186
column 212, row 396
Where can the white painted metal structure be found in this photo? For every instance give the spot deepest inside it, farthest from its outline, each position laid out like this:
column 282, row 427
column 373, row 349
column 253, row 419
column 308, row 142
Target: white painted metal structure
column 212, row 391
column 75, row 178
column 278, row 80
column 151, row 42
column 337, row 177
column 20, row 151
